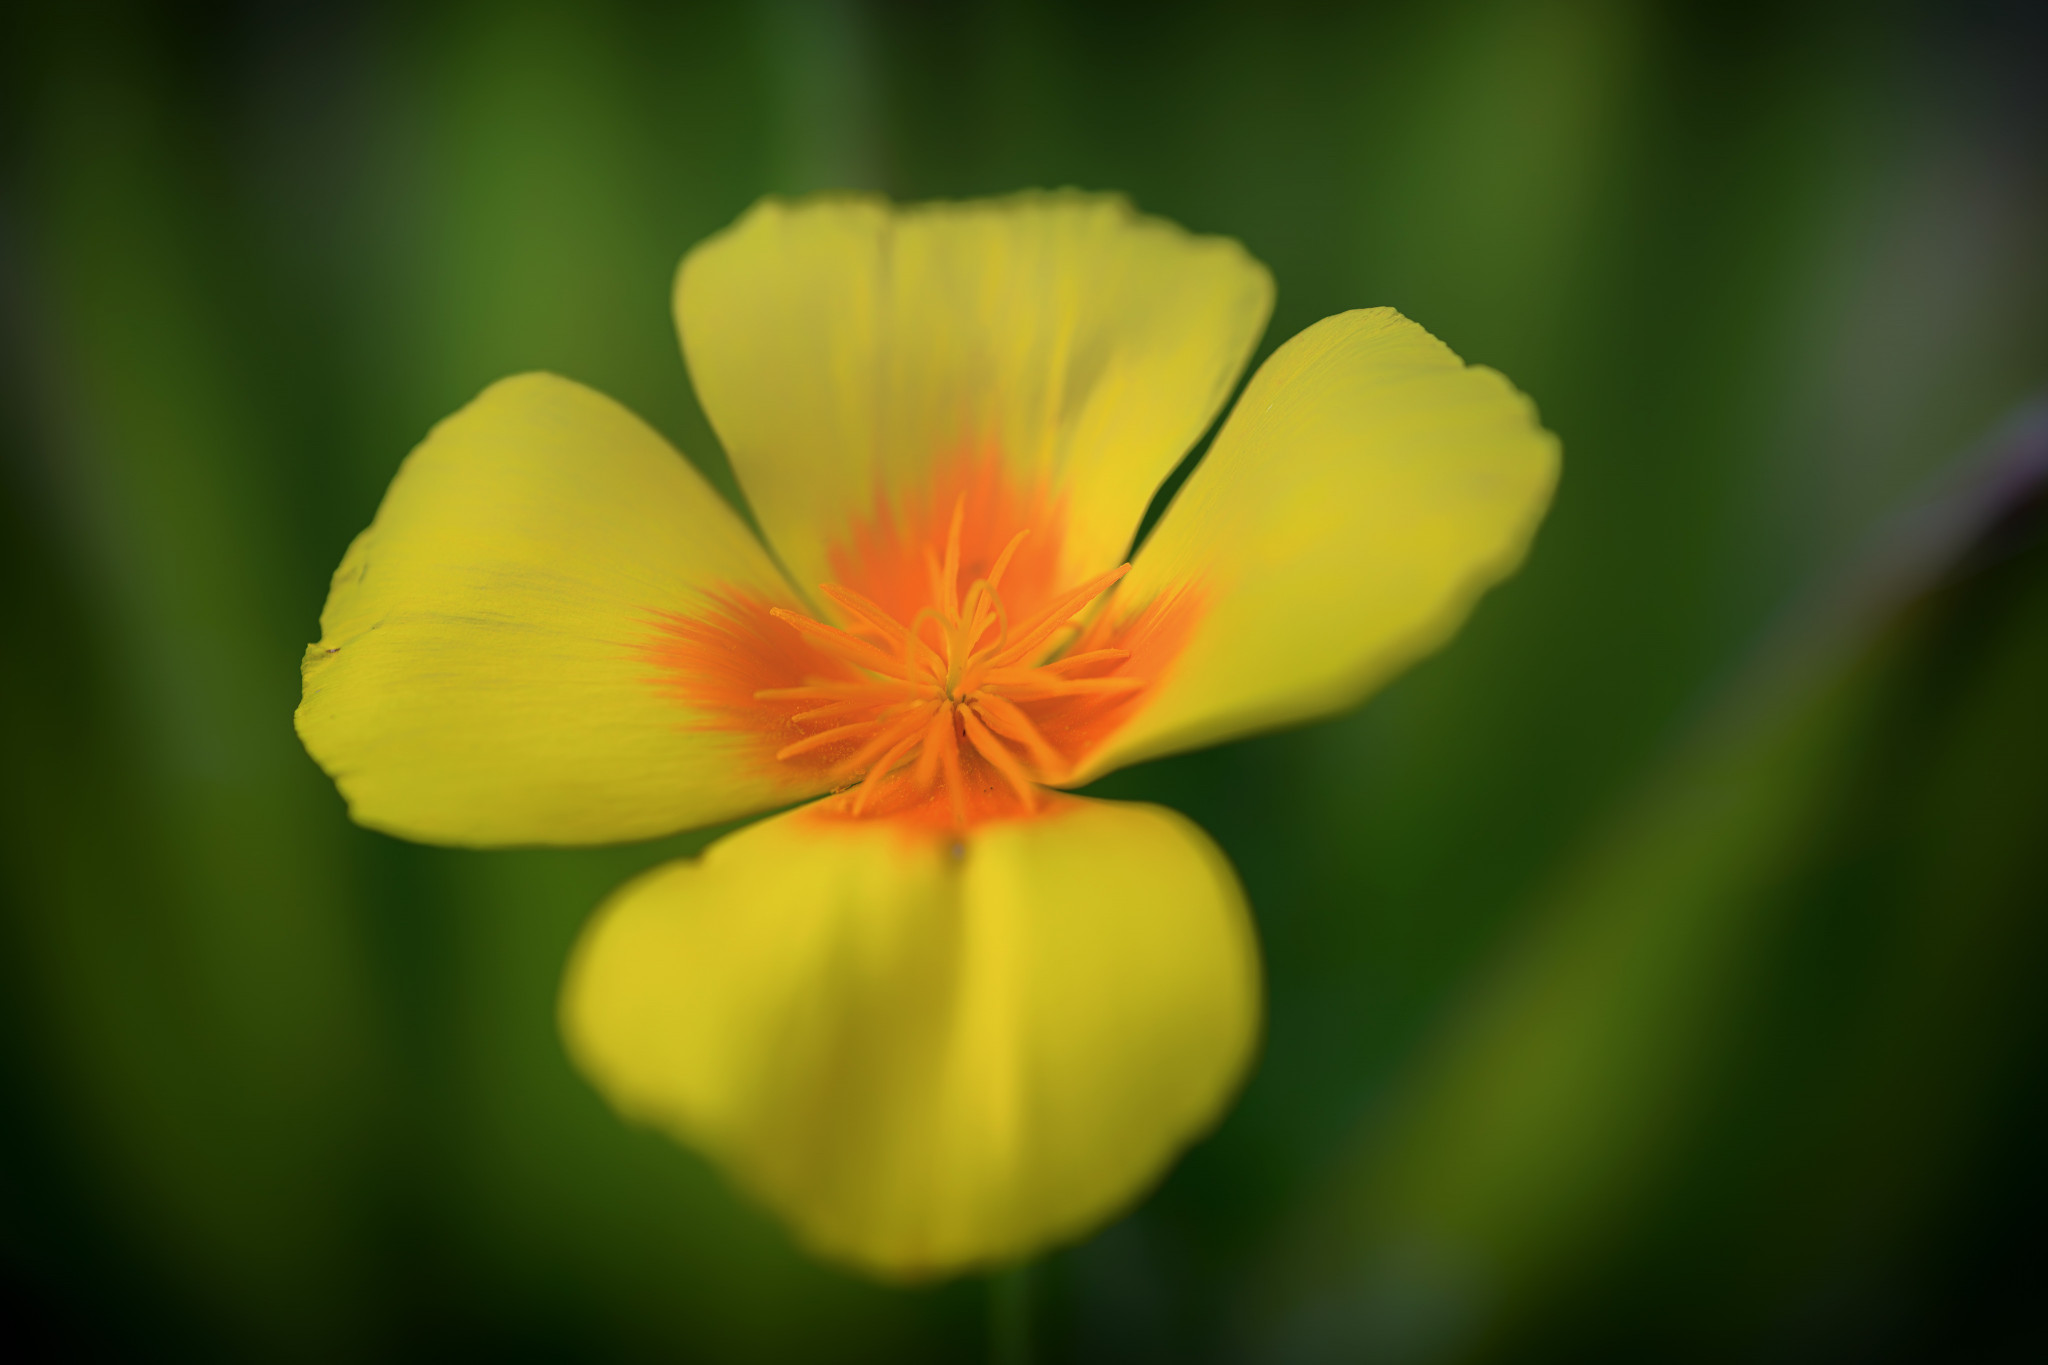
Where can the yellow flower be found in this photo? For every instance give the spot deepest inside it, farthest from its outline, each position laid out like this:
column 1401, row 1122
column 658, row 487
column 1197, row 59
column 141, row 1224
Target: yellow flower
column 946, row 1014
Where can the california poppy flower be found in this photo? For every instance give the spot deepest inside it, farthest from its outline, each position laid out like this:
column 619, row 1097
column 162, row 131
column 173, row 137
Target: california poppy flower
column 940, row 1012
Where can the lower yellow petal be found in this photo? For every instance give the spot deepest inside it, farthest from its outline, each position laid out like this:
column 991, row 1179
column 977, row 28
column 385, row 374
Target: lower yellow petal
column 928, row 1055
column 1365, row 490
column 496, row 655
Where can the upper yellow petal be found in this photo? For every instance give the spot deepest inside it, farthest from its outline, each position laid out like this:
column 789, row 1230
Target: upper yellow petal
column 482, row 675
column 843, row 349
column 1367, row 487
column 928, row 1056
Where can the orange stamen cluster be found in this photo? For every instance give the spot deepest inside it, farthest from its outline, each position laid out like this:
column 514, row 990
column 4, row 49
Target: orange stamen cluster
column 961, row 675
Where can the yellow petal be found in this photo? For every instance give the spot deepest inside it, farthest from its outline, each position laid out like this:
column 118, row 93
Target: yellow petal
column 844, row 349
column 483, row 673
column 928, row 1056
column 1365, row 490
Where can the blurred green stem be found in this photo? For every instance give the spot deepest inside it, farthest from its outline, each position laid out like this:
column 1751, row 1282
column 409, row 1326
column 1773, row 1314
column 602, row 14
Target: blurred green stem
column 1009, row 1315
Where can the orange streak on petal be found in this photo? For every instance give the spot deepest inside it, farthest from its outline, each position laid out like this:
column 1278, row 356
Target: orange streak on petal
column 883, row 555
column 948, row 584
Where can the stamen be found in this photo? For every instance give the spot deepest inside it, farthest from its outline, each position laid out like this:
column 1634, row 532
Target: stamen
column 824, row 737
column 928, row 757
column 1006, row 718
column 959, row 670
column 880, row 687
column 995, row 575
column 949, row 763
column 984, row 608
column 828, row 711
column 851, row 648
column 1040, row 689
column 885, row 765
column 999, row 757
column 881, row 743
column 876, row 616
column 945, row 633
column 1031, row 636
column 1082, row 660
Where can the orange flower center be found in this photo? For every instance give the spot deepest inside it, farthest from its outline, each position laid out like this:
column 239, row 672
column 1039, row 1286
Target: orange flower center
column 952, row 685
column 960, row 676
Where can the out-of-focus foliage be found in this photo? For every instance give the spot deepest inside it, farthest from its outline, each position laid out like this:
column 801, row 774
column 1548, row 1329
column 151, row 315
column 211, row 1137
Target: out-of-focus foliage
column 1649, row 972
column 1747, row 1044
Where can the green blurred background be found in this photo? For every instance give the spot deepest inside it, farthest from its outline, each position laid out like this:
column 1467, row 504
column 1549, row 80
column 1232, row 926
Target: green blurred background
column 1655, row 974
